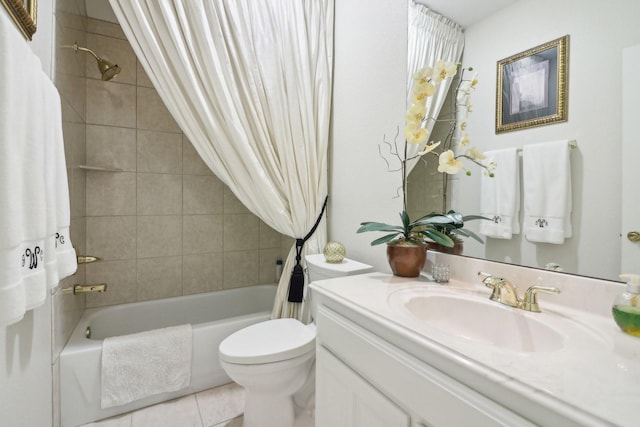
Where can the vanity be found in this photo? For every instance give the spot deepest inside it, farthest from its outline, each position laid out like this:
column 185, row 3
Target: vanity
column 404, row 352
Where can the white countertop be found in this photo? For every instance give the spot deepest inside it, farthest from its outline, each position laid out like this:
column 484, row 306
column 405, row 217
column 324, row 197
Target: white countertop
column 593, row 379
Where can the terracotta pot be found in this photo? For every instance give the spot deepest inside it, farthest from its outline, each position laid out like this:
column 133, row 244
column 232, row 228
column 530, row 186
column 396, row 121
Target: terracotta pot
column 455, row 250
column 406, row 260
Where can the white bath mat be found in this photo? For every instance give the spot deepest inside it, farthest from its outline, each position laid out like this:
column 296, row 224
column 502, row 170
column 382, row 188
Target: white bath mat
column 143, row 364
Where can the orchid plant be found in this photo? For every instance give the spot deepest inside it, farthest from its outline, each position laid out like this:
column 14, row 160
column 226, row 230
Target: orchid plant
column 440, row 228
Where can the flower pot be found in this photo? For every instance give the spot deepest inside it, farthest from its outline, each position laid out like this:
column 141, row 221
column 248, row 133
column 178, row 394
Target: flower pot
column 406, row 260
column 455, row 250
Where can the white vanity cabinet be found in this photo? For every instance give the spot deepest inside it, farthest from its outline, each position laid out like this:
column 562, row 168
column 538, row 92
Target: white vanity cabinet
column 363, row 380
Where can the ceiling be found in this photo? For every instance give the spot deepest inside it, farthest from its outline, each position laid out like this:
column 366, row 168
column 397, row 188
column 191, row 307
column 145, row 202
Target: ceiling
column 464, row 12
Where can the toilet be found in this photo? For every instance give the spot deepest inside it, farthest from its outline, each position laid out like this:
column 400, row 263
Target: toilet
column 274, row 360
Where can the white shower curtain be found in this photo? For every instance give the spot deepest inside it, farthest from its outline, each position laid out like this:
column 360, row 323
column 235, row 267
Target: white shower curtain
column 431, row 37
column 249, row 83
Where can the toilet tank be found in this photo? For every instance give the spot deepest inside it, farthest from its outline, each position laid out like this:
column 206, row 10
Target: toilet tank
column 320, row 269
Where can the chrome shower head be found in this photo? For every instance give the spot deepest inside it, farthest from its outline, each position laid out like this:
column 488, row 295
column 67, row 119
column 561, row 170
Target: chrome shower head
column 107, row 69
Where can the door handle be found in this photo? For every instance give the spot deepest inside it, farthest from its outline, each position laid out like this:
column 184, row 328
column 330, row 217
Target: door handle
column 633, row 236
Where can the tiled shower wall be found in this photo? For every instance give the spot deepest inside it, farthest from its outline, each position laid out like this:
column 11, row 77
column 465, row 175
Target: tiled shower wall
column 163, row 225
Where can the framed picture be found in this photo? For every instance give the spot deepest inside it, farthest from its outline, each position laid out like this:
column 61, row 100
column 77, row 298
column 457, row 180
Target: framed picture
column 532, row 87
column 24, row 14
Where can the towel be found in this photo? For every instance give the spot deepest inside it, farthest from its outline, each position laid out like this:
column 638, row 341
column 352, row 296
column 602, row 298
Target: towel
column 500, row 196
column 547, row 191
column 143, row 364
column 32, row 184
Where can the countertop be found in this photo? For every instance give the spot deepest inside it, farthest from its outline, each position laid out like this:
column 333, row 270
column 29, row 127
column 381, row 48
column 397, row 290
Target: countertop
column 594, row 379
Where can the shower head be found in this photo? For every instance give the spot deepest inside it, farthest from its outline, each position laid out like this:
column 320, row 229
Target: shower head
column 107, row 69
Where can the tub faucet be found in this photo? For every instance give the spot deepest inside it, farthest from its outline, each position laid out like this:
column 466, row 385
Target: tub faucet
column 503, row 291
column 80, row 289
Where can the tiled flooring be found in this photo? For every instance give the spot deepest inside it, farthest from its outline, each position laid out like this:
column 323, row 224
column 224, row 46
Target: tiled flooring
column 217, row 407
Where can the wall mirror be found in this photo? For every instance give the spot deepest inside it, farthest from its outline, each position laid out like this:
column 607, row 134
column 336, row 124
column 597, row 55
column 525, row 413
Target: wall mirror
column 599, row 36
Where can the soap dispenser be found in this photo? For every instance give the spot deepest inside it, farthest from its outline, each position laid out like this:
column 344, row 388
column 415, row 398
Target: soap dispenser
column 626, row 306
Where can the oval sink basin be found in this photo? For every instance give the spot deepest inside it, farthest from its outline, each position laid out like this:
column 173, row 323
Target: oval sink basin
column 482, row 321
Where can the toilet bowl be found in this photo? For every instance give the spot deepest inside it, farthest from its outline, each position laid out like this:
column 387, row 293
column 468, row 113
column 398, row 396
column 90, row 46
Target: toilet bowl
column 275, row 360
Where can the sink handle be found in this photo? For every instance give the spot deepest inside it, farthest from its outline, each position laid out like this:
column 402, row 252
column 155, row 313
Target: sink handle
column 530, row 302
column 490, row 280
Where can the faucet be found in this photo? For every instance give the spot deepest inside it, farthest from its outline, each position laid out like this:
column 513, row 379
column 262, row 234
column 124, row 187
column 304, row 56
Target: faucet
column 507, row 294
column 81, row 289
column 503, row 291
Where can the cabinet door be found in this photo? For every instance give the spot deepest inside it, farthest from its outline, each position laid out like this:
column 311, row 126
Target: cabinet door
column 344, row 399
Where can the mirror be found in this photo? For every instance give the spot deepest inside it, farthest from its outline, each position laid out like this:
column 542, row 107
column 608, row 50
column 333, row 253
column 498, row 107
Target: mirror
column 598, row 35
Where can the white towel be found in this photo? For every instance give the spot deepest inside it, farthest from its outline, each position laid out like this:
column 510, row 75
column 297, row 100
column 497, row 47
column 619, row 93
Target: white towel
column 33, row 182
column 500, row 196
column 143, row 364
column 547, row 191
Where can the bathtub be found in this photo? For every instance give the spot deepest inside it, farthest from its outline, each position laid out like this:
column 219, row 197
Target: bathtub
column 213, row 316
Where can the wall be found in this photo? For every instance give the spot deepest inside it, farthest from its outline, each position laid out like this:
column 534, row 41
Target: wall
column 368, row 104
column 594, row 121
column 163, row 225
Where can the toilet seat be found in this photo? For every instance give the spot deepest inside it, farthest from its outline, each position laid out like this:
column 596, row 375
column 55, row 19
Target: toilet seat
column 267, row 342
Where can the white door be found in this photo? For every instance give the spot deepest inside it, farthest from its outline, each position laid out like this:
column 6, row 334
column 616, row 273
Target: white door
column 630, row 250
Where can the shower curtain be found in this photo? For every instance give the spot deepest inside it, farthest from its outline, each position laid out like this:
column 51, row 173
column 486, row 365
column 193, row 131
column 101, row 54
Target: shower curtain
column 431, row 37
column 249, row 83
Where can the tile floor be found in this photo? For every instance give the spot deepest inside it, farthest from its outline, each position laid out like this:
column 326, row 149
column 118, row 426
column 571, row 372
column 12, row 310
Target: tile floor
column 216, row 407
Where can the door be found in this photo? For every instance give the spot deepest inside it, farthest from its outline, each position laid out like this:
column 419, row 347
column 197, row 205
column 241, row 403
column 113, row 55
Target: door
column 630, row 239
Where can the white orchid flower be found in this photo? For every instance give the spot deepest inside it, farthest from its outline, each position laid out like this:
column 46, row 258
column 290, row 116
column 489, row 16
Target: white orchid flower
column 443, row 70
column 475, row 154
column 449, row 164
column 429, row 148
column 415, row 135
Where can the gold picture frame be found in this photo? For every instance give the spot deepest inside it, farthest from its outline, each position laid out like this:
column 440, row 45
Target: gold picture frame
column 24, row 14
column 531, row 87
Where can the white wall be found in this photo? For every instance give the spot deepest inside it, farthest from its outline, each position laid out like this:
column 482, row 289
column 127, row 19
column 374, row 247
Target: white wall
column 25, row 347
column 368, row 102
column 598, row 31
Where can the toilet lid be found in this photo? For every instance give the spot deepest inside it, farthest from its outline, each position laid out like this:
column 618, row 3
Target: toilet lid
column 269, row 341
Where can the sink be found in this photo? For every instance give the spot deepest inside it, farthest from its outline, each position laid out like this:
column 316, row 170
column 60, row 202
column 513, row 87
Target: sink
column 471, row 317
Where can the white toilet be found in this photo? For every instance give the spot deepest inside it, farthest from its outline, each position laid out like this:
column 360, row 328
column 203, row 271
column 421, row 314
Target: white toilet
column 275, row 360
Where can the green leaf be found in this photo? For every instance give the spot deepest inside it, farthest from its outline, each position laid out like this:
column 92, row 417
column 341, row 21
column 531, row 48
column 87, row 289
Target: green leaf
column 404, row 216
column 439, row 237
column 472, row 217
column 378, row 226
column 385, row 239
column 468, row 233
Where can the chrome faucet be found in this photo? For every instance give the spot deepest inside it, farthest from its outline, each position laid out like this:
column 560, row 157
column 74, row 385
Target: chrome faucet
column 507, row 294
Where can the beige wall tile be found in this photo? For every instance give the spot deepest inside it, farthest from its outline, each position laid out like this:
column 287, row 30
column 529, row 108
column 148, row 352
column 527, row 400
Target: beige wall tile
column 159, row 278
column 202, row 234
column 111, row 193
column 159, row 194
column 231, row 203
column 77, row 179
column 201, row 273
column 111, row 147
column 116, row 51
column 159, row 236
column 241, row 232
column 68, row 61
column 143, row 78
column 72, row 90
column 152, row 114
column 192, row 164
column 241, row 268
column 111, row 237
column 202, row 194
column 268, row 258
column 111, row 103
column 105, row 28
column 120, row 277
column 159, row 152
column 269, row 238
column 74, row 143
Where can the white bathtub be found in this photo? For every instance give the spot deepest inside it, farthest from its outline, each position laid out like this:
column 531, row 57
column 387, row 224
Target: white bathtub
column 213, row 316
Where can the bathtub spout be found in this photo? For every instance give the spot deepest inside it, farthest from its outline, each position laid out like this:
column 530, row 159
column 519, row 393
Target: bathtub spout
column 80, row 289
